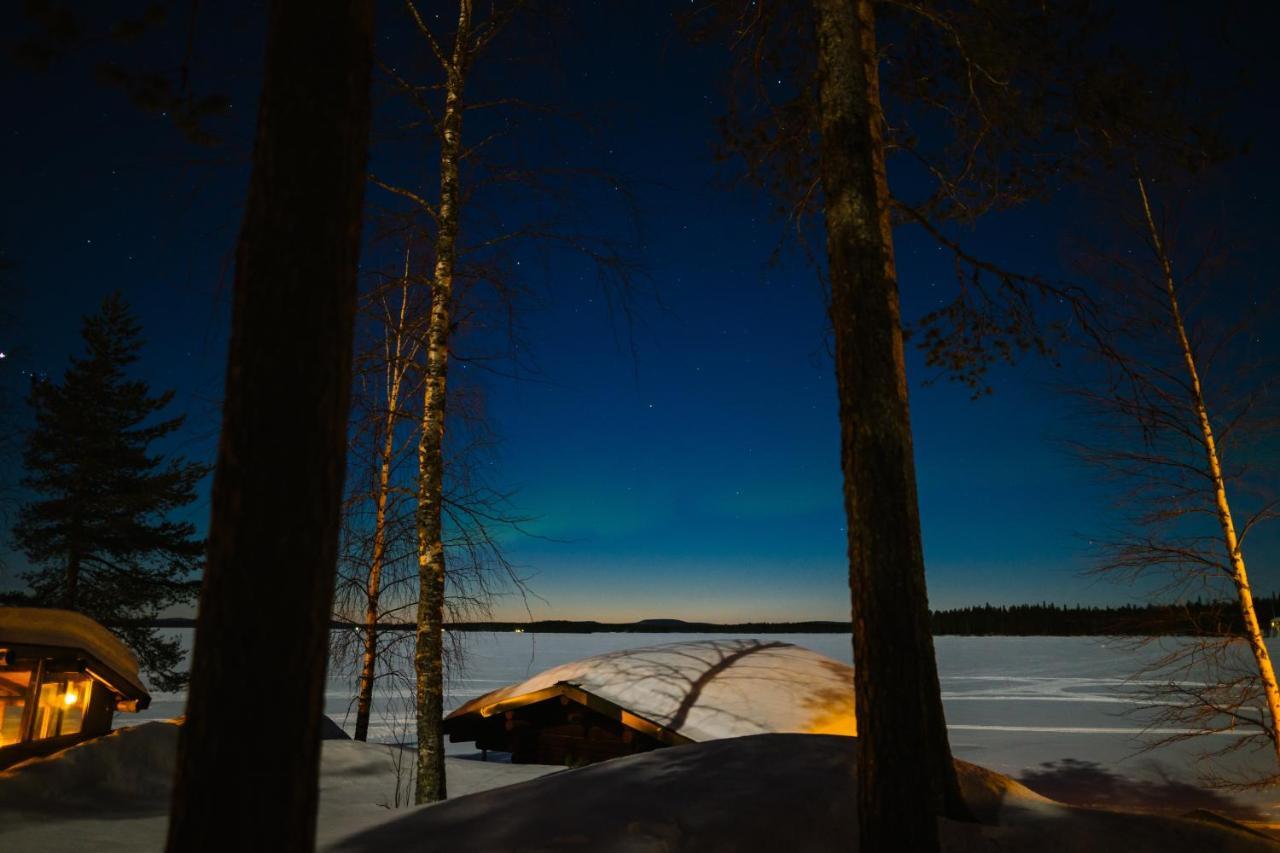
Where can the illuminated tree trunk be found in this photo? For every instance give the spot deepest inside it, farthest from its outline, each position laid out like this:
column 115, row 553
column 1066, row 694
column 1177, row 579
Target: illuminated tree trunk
column 1239, row 574
column 429, row 646
column 906, row 777
column 262, row 632
column 394, row 372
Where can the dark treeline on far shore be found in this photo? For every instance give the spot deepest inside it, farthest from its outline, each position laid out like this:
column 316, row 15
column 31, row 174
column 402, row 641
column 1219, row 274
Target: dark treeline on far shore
column 984, row 620
column 1191, row 618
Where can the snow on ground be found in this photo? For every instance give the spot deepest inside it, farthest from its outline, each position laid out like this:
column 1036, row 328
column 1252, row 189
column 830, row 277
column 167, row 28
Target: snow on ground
column 112, row 794
column 758, row 793
column 763, row 793
column 1057, row 712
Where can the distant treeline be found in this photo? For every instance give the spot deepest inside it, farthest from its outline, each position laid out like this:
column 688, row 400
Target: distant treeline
column 985, row 620
column 1136, row 620
column 659, row 626
column 564, row 626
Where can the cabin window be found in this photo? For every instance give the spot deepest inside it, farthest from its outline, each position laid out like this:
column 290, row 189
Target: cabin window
column 15, row 686
column 60, row 709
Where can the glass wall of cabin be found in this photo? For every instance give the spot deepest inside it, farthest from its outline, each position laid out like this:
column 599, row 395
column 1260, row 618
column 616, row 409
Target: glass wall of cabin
column 37, row 703
column 15, row 695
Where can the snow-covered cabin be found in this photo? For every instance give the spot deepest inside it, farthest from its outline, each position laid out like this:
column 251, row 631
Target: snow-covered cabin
column 62, row 677
column 636, row 700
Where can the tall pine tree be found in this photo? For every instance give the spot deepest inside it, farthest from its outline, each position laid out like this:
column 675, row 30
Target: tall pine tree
column 97, row 530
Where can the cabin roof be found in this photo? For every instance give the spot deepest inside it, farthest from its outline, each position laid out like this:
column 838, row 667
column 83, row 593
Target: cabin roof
column 40, row 626
column 698, row 691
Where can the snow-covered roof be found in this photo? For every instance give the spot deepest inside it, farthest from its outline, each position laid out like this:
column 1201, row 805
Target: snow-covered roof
column 40, row 626
column 698, row 691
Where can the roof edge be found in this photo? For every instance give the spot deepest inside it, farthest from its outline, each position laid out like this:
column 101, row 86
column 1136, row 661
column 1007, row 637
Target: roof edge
column 583, row 697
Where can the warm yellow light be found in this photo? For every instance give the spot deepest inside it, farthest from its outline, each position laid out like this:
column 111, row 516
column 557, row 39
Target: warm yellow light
column 71, row 697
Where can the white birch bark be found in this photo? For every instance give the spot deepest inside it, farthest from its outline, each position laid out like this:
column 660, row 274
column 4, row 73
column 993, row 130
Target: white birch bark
column 1230, row 540
column 429, row 639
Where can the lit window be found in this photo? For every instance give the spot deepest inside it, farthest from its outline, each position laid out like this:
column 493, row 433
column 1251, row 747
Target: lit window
column 63, row 700
column 14, row 686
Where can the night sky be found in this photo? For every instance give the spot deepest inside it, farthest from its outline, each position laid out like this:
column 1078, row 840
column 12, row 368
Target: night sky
column 685, row 465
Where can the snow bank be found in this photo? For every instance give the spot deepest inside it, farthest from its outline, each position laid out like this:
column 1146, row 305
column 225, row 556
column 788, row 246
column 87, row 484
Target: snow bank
column 129, row 770
column 112, row 793
column 761, row 793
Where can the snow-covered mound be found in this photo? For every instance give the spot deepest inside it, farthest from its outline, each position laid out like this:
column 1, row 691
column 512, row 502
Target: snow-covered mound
column 764, row 793
column 111, row 794
column 700, row 691
column 129, row 770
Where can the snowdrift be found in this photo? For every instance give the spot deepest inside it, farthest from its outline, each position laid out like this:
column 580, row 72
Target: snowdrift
column 128, row 771
column 111, row 794
column 763, row 793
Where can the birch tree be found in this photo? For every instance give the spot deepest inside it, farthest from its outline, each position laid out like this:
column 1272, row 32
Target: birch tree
column 429, row 638
column 465, row 176
column 378, row 579
column 376, row 551
column 263, row 621
column 445, row 213
column 1177, row 403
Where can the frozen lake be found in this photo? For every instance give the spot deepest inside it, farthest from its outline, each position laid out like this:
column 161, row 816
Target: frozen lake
column 1058, row 712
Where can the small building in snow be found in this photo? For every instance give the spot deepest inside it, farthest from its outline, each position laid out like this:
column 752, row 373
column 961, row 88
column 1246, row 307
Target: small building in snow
column 636, row 700
column 62, row 677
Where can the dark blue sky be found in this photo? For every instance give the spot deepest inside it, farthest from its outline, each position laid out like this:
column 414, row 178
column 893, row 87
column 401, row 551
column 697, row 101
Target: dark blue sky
column 693, row 474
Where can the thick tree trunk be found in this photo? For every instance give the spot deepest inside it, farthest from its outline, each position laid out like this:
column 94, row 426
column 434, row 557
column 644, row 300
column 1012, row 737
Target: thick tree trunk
column 906, row 777
column 1230, row 540
column 243, row 781
column 429, row 649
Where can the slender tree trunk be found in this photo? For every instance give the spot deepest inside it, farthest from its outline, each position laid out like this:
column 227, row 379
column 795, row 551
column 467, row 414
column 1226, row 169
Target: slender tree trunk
column 1239, row 574
column 369, row 656
column 262, row 633
column 369, row 662
column 395, row 371
column 906, row 777
column 429, row 649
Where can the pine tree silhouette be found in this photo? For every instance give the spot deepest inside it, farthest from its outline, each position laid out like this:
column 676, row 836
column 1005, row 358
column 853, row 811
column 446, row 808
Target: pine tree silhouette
column 97, row 530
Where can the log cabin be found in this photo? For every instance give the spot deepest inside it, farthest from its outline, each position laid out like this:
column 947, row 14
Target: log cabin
column 636, row 700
